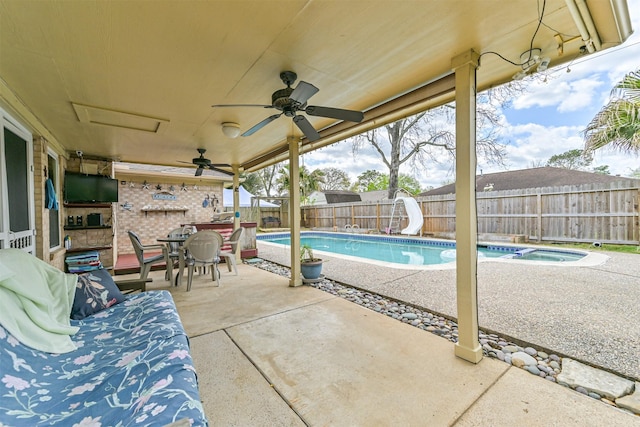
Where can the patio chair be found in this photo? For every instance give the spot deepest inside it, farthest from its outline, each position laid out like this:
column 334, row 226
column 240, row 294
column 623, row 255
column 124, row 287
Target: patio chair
column 173, row 249
column 230, row 256
column 147, row 262
column 203, row 249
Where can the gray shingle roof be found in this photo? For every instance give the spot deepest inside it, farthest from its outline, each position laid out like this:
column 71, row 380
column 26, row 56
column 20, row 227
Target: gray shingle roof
column 341, row 196
column 532, row 178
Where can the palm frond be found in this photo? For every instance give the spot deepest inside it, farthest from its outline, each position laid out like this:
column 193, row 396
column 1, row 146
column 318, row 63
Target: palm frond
column 618, row 123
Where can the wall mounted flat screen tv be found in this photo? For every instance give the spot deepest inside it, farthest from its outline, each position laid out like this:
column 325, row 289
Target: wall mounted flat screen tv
column 81, row 188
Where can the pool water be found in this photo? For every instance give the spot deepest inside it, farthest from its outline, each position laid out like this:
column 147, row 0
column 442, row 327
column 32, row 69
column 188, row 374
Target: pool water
column 412, row 251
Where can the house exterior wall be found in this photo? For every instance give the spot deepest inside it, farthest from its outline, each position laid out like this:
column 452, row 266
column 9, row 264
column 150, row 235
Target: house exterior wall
column 41, row 148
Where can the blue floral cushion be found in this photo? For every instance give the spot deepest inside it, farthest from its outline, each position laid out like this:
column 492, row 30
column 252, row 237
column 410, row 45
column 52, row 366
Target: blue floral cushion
column 132, row 367
column 95, row 291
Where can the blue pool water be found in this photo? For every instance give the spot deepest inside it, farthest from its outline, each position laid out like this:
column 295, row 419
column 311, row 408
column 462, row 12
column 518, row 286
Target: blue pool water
column 412, row 251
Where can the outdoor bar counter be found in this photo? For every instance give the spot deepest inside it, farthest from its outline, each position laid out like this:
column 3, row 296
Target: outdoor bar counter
column 248, row 248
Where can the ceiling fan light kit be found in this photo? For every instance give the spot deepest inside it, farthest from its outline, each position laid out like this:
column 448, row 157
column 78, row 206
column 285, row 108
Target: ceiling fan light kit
column 230, row 129
column 529, row 59
column 290, row 101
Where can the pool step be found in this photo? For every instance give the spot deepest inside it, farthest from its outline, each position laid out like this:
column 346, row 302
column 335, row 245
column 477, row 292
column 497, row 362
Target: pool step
column 524, row 252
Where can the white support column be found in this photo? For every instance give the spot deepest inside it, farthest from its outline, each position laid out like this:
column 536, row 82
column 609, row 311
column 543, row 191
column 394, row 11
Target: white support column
column 468, row 347
column 236, row 207
column 294, row 210
column 236, row 197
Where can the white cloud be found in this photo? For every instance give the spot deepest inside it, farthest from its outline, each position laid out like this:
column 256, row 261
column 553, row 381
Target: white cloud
column 587, row 85
column 566, row 95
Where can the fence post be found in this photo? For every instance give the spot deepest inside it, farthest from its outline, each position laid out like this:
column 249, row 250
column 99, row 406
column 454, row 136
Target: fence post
column 539, row 209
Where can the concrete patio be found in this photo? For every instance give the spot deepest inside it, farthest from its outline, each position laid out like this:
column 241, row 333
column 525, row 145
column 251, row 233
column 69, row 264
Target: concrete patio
column 588, row 313
column 267, row 354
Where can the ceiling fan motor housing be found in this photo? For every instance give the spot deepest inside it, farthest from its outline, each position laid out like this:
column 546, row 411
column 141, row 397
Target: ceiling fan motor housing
column 281, row 101
column 201, row 161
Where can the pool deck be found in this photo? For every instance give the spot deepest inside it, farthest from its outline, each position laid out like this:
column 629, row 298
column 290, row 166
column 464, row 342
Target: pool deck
column 267, row 354
column 589, row 313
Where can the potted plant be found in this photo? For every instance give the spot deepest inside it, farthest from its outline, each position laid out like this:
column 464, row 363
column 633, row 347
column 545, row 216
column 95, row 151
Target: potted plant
column 310, row 267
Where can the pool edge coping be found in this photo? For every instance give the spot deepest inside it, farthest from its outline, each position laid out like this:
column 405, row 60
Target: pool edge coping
column 590, row 259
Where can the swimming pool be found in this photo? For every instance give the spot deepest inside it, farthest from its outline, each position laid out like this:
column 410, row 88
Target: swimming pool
column 408, row 251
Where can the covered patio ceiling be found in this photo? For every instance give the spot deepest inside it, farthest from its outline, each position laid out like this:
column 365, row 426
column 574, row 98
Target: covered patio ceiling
column 136, row 80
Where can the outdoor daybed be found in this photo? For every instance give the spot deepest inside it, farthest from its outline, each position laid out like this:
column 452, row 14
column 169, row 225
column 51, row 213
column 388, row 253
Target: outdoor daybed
column 124, row 361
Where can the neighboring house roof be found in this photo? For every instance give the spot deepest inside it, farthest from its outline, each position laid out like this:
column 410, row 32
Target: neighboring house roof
column 341, row 196
column 531, row 178
column 333, row 196
column 373, row 196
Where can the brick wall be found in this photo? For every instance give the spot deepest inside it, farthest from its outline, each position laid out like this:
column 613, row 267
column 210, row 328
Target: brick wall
column 159, row 217
column 40, row 159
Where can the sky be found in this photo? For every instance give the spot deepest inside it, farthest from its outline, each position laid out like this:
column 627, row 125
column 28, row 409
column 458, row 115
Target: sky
column 547, row 119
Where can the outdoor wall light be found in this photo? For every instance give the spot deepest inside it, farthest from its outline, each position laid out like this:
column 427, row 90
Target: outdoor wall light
column 230, row 129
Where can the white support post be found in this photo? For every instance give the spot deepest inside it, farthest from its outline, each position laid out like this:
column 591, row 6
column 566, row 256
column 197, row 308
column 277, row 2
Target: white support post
column 294, row 210
column 468, row 347
column 236, row 207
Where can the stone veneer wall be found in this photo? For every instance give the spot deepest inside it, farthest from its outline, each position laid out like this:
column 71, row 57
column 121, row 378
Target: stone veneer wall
column 166, row 214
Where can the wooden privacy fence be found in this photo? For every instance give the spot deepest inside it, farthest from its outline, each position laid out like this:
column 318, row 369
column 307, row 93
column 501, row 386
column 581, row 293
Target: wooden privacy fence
column 606, row 213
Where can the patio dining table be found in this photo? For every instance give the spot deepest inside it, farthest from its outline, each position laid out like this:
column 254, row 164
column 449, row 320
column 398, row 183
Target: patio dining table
column 179, row 239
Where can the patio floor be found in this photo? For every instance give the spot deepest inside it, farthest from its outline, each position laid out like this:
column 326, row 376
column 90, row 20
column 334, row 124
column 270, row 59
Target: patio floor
column 268, row 354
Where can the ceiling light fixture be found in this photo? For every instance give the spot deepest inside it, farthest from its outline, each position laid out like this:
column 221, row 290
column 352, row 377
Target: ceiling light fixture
column 230, row 129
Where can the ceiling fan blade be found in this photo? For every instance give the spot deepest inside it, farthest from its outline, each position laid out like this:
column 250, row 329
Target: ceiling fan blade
column 221, row 170
column 306, row 128
column 243, row 105
column 335, row 113
column 260, row 125
column 199, row 171
column 303, row 92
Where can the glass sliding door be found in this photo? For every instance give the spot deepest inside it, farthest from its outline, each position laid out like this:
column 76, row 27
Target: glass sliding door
column 17, row 223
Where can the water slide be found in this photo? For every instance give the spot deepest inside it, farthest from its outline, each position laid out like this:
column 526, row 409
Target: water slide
column 414, row 213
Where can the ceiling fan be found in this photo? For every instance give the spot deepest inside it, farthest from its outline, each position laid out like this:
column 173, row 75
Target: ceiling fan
column 290, row 101
column 203, row 163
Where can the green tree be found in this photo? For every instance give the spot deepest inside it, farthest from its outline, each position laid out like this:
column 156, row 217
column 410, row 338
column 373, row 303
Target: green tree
column 369, row 180
column 309, row 181
column 421, row 138
column 575, row 159
column 618, row 123
column 252, row 183
column 410, row 184
column 335, row 179
column 603, row 169
column 635, row 173
column 372, row 180
column 267, row 177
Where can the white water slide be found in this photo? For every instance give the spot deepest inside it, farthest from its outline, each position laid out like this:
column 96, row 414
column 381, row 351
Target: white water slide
column 414, row 213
